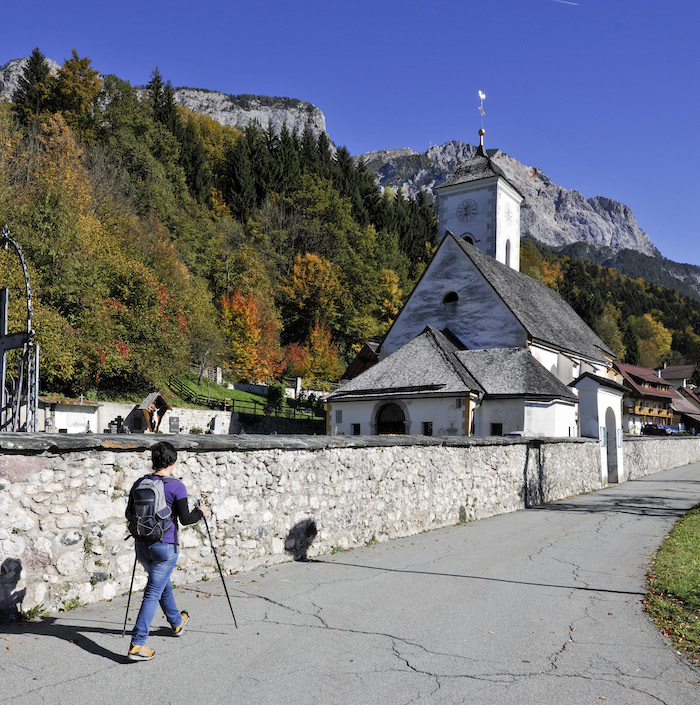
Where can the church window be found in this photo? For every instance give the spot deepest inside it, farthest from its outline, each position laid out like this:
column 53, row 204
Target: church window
column 449, row 297
column 468, row 237
column 508, row 253
column 427, row 428
column 496, row 429
column 339, row 416
column 356, row 429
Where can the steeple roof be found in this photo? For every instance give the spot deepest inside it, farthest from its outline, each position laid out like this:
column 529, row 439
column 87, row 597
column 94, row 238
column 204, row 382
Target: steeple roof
column 480, row 166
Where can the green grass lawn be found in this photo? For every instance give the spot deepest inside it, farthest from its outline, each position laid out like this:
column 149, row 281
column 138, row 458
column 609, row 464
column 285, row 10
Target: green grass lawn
column 674, row 587
column 216, row 391
column 184, row 388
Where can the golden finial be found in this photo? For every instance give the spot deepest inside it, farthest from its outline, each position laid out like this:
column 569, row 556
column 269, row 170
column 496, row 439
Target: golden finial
column 482, row 132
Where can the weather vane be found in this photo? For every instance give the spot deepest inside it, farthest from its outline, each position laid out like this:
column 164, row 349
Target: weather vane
column 482, row 132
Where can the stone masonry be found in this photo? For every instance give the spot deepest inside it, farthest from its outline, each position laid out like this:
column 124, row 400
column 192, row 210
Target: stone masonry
column 62, row 498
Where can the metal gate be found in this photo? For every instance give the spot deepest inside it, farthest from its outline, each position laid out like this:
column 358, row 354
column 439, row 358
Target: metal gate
column 19, row 394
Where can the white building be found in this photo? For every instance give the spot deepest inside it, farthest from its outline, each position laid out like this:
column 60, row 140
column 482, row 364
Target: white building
column 480, row 348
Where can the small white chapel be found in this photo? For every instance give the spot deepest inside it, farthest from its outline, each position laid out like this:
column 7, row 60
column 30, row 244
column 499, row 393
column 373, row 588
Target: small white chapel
column 480, row 348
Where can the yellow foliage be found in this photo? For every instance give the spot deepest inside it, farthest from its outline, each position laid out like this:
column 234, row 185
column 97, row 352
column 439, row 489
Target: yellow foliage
column 62, row 169
column 654, row 340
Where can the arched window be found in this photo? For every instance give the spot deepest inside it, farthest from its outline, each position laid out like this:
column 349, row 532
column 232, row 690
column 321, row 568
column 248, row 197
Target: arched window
column 468, row 237
column 391, row 420
column 508, row 253
column 449, row 297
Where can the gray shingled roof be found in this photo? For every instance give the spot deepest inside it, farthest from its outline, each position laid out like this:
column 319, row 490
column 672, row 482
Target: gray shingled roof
column 512, row 372
column 544, row 314
column 480, row 166
column 602, row 381
column 426, row 364
column 431, row 364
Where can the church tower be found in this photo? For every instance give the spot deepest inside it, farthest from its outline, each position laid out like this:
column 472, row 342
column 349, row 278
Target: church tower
column 478, row 204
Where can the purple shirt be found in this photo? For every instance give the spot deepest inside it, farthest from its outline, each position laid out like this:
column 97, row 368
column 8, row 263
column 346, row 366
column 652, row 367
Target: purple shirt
column 174, row 489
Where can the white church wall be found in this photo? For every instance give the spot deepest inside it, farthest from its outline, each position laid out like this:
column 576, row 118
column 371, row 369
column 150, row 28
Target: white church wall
column 479, row 317
column 508, row 413
column 549, row 359
column 446, row 415
column 554, row 418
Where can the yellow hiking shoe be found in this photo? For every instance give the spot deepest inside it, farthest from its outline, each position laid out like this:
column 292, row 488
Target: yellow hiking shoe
column 177, row 631
column 141, row 653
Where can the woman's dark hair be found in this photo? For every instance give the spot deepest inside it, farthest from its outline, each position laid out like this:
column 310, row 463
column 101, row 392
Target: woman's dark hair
column 163, row 455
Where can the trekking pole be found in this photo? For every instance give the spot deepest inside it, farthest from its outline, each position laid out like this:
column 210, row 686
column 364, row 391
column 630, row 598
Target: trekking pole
column 211, row 543
column 131, row 587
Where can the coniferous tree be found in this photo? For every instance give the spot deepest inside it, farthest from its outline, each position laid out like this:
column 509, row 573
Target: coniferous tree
column 309, row 151
column 272, row 142
column 240, row 181
column 193, row 159
column 32, row 93
column 290, row 169
column 631, row 343
column 325, row 156
column 162, row 97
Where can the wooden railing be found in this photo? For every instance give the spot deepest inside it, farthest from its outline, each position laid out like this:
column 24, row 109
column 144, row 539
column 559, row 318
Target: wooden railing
column 291, row 410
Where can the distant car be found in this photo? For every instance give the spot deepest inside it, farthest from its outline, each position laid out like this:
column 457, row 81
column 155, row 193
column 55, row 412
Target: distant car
column 652, row 429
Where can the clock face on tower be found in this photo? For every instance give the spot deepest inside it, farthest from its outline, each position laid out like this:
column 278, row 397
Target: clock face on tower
column 509, row 214
column 467, row 209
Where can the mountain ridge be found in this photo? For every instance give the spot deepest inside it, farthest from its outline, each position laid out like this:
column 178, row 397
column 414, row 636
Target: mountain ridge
column 551, row 214
column 234, row 110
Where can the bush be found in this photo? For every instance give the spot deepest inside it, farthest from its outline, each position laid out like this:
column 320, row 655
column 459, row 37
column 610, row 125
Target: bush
column 276, row 395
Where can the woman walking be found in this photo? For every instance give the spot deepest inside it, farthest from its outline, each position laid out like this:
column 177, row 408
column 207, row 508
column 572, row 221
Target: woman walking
column 159, row 557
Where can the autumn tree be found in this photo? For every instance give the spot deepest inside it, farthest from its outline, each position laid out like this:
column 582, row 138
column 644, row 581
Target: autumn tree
column 312, row 291
column 654, row 340
column 252, row 333
column 323, row 360
column 607, row 327
column 75, row 92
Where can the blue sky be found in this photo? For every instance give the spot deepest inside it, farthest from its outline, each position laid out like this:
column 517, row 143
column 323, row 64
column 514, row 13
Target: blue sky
column 602, row 95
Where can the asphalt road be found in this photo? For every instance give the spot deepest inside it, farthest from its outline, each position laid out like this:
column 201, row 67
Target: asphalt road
column 541, row 606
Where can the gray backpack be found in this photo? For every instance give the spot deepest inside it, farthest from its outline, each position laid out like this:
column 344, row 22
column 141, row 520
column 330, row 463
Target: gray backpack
column 147, row 512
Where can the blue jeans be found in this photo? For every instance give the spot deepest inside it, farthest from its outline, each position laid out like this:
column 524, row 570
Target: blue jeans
column 159, row 559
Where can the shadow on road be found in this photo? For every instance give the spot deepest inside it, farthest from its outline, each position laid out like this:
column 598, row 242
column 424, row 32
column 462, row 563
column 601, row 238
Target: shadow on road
column 583, row 588
column 644, row 506
column 74, row 634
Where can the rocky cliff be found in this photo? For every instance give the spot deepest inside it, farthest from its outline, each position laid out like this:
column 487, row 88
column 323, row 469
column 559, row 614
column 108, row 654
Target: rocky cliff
column 244, row 109
column 10, row 73
column 227, row 109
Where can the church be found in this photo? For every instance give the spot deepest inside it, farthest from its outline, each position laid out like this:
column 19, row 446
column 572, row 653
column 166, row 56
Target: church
column 480, row 348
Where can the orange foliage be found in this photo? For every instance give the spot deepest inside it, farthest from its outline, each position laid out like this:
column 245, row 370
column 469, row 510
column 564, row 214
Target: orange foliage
column 252, row 331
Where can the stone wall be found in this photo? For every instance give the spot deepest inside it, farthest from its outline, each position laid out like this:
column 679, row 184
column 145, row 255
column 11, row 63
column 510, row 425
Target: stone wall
column 62, row 498
column 647, row 454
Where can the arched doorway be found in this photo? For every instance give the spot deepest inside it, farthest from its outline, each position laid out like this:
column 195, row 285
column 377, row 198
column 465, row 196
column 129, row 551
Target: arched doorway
column 391, row 420
column 611, row 445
